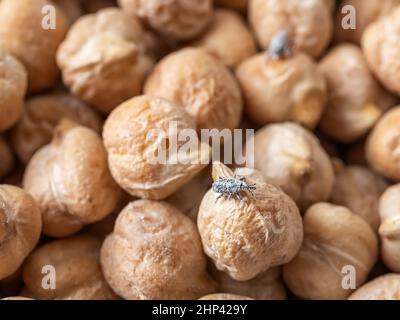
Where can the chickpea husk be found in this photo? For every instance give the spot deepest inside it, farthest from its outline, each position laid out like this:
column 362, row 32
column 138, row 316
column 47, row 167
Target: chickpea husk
column 155, row 253
column 228, row 38
column 20, row 228
column 140, row 159
column 77, row 270
column 292, row 158
column 71, row 181
column 246, row 238
column 197, row 81
column 389, row 230
column 23, row 35
column 42, row 114
column 386, row 287
column 334, row 238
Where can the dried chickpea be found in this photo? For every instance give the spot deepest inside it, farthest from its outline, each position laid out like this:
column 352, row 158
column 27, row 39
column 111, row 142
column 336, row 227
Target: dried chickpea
column 228, row 38
column 292, row 158
column 246, row 238
column 224, row 296
column 386, row 287
column 381, row 46
column 77, row 269
column 13, row 85
column 20, row 228
column 22, row 34
column 389, row 230
column 239, row 5
column 266, row 286
column 199, row 82
column 383, row 145
column 42, row 114
column 131, row 149
column 71, row 181
column 309, row 23
column 104, row 58
column 282, row 87
column 359, row 189
column 6, row 158
column 155, row 253
column 174, row 19
column 334, row 237
column 353, row 102
column 367, row 11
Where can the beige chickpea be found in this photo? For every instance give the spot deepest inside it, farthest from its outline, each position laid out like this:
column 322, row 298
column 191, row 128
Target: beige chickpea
column 381, row 48
column 77, row 270
column 22, row 34
column 292, row 158
column 266, row 286
column 42, row 114
column 199, row 82
column 246, row 238
column 13, row 85
column 224, row 296
column 239, row 5
column 359, row 189
column 6, row 157
column 334, row 238
column 386, row 287
column 137, row 137
column 353, row 94
column 383, row 145
column 279, row 87
column 309, row 23
column 389, row 230
column 155, row 253
column 228, row 38
column 71, row 181
column 20, row 228
column 105, row 59
column 366, row 12
column 174, row 19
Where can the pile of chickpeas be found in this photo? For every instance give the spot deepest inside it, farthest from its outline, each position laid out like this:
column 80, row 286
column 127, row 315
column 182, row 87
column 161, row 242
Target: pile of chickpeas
column 80, row 200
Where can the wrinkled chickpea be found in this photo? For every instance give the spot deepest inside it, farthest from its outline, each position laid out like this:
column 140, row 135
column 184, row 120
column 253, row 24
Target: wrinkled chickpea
column 246, row 238
column 71, row 181
column 174, row 19
column 105, row 59
column 20, row 228
column 367, row 11
column 292, row 158
column 381, row 46
column 195, row 80
column 22, row 34
column 13, row 85
column 224, row 296
column 42, row 114
column 134, row 154
column 309, row 23
column 353, row 103
column 359, row 189
column 228, row 38
column 334, row 237
column 383, row 145
column 239, row 5
column 389, row 230
column 6, row 157
column 155, row 253
column 266, row 286
column 386, row 287
column 77, row 266
column 282, row 86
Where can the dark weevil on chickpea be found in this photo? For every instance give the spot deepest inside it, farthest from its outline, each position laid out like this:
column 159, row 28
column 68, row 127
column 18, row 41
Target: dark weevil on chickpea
column 232, row 187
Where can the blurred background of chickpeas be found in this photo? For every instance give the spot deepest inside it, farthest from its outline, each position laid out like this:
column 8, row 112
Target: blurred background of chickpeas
column 83, row 82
